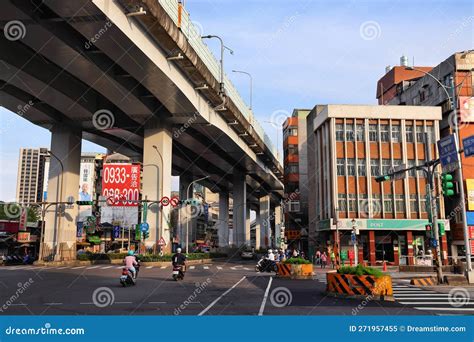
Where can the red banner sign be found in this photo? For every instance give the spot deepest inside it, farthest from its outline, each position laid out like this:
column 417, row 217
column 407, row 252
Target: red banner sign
column 121, row 184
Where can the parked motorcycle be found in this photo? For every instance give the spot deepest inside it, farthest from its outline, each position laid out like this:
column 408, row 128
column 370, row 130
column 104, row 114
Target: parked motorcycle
column 265, row 265
column 178, row 272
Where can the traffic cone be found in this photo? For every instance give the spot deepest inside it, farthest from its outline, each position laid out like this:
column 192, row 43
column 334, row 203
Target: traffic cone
column 384, row 266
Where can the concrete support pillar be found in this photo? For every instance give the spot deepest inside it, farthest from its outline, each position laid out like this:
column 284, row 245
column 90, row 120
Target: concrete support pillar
column 156, row 181
column 60, row 227
column 248, row 241
column 411, row 259
column 223, row 223
column 258, row 225
column 239, row 208
column 184, row 181
column 265, row 221
column 278, row 226
column 372, row 259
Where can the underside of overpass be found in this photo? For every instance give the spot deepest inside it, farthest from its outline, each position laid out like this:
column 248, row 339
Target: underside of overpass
column 76, row 58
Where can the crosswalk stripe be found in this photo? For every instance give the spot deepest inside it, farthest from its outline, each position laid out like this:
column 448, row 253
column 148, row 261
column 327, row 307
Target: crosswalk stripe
column 62, row 268
column 78, row 267
column 106, row 267
column 419, row 294
column 219, row 267
column 206, row 267
column 149, row 267
column 163, row 267
column 431, row 303
column 92, row 267
column 443, row 309
column 420, row 298
column 192, row 267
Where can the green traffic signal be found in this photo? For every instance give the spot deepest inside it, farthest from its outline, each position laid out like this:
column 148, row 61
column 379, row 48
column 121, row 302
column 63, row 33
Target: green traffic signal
column 380, row 179
column 447, row 184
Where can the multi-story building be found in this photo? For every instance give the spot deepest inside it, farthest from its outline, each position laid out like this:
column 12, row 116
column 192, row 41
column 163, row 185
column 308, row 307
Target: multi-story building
column 350, row 145
column 413, row 87
column 296, row 179
column 31, row 174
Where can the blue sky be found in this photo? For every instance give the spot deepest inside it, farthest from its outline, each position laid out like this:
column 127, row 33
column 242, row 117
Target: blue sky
column 300, row 53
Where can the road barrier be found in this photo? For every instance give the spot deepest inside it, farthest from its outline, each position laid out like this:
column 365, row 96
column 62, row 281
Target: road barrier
column 295, row 271
column 355, row 285
column 426, row 281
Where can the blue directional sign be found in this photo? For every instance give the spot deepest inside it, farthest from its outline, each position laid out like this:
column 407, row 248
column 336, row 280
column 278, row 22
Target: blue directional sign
column 448, row 153
column 144, row 227
column 468, row 145
column 116, row 232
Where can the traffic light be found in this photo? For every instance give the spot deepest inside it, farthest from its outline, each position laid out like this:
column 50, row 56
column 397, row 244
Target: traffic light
column 380, row 179
column 84, row 202
column 447, row 184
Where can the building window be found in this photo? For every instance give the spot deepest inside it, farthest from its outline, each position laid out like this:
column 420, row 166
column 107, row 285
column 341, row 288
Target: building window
column 373, row 132
column 360, row 132
column 361, row 167
column 292, row 149
column 340, row 167
column 341, row 202
column 350, row 166
column 420, row 136
column 409, row 133
column 431, row 133
column 374, row 167
column 423, row 204
column 363, row 207
column 293, row 132
column 384, row 133
column 293, row 206
column 413, row 203
column 349, row 132
column 399, row 203
column 292, row 168
column 339, row 132
column 411, row 163
column 386, row 165
column 387, row 203
column 352, row 201
column 396, row 138
column 376, row 204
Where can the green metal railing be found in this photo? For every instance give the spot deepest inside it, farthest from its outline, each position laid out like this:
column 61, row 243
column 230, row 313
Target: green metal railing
column 193, row 34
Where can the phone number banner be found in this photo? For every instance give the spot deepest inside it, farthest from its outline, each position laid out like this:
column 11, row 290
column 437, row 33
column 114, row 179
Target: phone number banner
column 121, row 184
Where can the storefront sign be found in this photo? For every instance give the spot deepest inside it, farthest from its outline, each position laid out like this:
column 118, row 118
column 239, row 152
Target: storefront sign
column 388, row 224
column 23, row 237
column 121, row 183
column 470, row 194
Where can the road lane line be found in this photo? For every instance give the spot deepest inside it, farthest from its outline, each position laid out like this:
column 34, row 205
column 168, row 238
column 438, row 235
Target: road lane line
column 265, row 296
column 122, row 302
column 53, row 304
column 206, row 267
column 106, row 267
column 92, row 267
column 149, row 267
column 163, row 267
column 78, row 267
column 220, row 297
column 247, row 269
column 62, row 268
column 157, row 302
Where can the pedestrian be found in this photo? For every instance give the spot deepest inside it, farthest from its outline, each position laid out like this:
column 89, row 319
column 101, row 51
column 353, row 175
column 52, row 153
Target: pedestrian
column 324, row 259
column 333, row 259
column 318, row 257
column 295, row 253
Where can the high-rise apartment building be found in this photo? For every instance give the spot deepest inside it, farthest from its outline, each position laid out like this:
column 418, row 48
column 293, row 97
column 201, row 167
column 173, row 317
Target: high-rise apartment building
column 348, row 147
column 31, row 175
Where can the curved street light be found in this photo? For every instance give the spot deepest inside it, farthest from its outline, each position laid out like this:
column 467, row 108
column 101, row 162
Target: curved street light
column 251, row 81
column 187, row 218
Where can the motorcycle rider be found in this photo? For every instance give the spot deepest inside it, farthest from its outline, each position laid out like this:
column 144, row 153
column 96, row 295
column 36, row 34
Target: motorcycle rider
column 130, row 262
column 178, row 259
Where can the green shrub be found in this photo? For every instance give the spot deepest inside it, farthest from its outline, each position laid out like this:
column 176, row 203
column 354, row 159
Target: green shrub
column 360, row 270
column 297, row 261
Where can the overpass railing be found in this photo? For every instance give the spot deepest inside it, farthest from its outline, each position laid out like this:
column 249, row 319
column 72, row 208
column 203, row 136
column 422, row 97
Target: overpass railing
column 193, row 34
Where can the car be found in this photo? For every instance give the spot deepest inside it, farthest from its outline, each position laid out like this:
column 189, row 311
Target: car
column 248, row 255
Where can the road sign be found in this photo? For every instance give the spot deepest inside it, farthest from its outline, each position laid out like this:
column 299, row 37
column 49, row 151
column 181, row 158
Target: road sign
column 165, row 201
column 448, row 153
column 174, row 201
column 144, row 227
column 162, row 242
column 116, row 232
column 353, row 238
column 468, row 145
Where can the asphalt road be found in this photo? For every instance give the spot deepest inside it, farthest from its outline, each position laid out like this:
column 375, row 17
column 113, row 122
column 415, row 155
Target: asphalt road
column 224, row 288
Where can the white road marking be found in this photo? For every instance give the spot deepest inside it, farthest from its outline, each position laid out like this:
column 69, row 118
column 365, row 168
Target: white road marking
column 163, row 267
column 53, row 304
column 92, row 267
column 431, row 303
column 192, row 267
column 157, row 302
column 265, row 296
column 233, row 268
column 219, row 267
column 419, row 294
column 62, row 268
column 78, row 267
column 219, row 298
column 122, row 302
column 19, row 304
column 247, row 269
column 149, row 267
column 444, row 309
column 119, row 267
column 206, row 267
column 87, row 303
column 106, row 267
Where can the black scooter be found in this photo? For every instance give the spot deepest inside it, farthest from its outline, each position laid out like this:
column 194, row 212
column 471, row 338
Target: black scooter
column 265, row 265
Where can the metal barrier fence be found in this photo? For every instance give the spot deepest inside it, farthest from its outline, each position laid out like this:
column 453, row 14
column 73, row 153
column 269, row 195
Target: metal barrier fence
column 193, row 34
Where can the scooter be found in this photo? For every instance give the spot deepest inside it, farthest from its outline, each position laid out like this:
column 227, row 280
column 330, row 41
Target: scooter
column 178, row 272
column 265, row 265
column 127, row 278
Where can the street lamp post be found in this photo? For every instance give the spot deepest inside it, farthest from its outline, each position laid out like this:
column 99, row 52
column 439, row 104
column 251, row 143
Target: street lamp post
column 222, row 88
column 456, row 132
column 187, row 217
column 251, row 86
column 59, row 193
